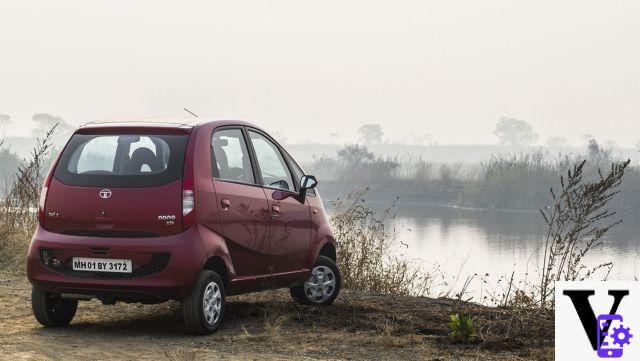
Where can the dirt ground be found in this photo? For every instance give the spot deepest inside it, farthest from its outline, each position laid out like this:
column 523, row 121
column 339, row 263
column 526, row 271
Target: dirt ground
column 260, row 326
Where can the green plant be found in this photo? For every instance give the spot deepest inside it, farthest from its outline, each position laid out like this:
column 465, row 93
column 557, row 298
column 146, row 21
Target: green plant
column 462, row 328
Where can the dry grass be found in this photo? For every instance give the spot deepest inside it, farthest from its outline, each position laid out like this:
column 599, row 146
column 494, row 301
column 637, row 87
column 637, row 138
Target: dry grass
column 266, row 325
column 133, row 332
column 18, row 218
column 366, row 257
column 382, row 322
column 13, row 253
column 578, row 221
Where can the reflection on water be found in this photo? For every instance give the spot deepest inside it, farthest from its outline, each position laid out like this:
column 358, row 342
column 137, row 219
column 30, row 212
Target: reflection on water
column 470, row 241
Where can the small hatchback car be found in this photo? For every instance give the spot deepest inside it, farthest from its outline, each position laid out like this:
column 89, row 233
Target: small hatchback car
column 155, row 211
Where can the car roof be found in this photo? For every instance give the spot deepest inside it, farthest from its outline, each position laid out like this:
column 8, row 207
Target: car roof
column 179, row 123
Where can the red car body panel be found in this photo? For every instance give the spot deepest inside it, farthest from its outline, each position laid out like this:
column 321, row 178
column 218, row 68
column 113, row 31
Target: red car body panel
column 127, row 210
column 244, row 216
column 233, row 224
column 173, row 282
column 289, row 232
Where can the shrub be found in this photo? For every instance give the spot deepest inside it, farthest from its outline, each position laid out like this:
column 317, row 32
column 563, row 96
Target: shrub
column 577, row 222
column 462, row 328
column 366, row 254
column 18, row 217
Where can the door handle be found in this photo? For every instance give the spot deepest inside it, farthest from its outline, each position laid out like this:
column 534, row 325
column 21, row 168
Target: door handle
column 275, row 211
column 225, row 203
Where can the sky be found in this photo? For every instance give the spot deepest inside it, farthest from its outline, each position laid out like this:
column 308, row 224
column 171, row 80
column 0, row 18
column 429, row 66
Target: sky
column 305, row 69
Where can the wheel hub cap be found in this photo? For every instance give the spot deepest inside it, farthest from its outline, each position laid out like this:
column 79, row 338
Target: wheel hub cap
column 321, row 284
column 212, row 303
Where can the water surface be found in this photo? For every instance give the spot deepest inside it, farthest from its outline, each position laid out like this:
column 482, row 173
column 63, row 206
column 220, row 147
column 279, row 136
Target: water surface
column 464, row 242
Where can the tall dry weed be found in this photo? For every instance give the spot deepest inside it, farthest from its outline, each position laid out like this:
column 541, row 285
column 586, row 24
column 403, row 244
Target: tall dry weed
column 18, row 208
column 366, row 253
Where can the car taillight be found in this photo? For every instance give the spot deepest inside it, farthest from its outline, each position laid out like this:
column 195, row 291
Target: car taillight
column 188, row 189
column 188, row 202
column 41, row 203
column 188, row 208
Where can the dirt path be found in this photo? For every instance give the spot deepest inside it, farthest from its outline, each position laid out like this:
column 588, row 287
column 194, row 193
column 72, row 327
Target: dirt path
column 260, row 326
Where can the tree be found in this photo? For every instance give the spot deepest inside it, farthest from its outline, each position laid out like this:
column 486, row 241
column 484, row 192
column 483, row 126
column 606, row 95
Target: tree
column 421, row 139
column 5, row 121
column 586, row 138
column 598, row 154
column 9, row 162
column 370, row 133
column 514, row 132
column 557, row 142
column 353, row 155
column 45, row 122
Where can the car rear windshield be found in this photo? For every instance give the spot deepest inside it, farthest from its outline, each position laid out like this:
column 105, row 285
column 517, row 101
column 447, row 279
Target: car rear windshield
column 122, row 160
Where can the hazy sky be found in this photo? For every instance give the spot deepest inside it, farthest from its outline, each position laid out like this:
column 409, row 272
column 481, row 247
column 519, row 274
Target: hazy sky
column 309, row 68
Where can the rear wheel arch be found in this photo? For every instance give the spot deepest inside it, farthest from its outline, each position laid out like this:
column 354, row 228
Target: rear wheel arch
column 218, row 265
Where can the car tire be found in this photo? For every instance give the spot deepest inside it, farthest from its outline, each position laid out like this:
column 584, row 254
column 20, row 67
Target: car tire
column 323, row 285
column 50, row 309
column 203, row 309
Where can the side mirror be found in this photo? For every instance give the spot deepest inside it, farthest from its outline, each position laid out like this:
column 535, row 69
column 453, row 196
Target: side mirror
column 306, row 182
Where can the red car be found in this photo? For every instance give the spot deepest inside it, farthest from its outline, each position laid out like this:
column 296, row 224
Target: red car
column 191, row 211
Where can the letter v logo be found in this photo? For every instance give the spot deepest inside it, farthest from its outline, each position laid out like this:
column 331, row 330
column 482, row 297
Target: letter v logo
column 580, row 299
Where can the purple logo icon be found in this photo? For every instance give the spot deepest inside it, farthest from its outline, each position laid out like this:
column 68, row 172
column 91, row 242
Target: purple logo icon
column 611, row 340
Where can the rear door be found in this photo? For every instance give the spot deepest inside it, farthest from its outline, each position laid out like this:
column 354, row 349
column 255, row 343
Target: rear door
column 290, row 220
column 242, row 203
column 120, row 184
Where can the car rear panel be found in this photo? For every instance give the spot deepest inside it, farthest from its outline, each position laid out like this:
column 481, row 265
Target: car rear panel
column 151, row 280
column 117, row 213
column 118, row 182
column 127, row 212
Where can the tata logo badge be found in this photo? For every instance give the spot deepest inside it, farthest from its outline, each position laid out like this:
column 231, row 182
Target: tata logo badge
column 105, row 193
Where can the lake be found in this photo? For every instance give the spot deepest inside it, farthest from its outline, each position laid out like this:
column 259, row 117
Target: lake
column 463, row 242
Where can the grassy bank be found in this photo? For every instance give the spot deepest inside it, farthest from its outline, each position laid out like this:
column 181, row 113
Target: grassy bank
column 388, row 307
column 266, row 326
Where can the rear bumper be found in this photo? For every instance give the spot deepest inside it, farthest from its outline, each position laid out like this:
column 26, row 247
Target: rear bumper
column 174, row 281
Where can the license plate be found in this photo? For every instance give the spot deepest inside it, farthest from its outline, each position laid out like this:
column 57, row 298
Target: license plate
column 102, row 265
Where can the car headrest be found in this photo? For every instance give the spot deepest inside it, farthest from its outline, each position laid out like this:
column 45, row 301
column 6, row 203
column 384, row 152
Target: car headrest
column 140, row 157
column 219, row 156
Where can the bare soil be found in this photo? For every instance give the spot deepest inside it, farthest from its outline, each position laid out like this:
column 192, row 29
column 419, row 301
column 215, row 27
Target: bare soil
column 262, row 326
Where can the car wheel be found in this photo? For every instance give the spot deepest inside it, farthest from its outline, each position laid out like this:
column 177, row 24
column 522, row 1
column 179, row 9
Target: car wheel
column 322, row 286
column 203, row 308
column 50, row 309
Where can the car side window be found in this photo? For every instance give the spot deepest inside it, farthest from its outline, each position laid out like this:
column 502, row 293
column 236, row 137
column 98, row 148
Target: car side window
column 273, row 168
column 230, row 157
column 297, row 172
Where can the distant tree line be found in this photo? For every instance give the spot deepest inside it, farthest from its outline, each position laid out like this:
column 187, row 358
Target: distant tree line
column 518, row 181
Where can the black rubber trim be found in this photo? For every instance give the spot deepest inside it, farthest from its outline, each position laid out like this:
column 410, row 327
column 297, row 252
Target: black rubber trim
column 158, row 263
